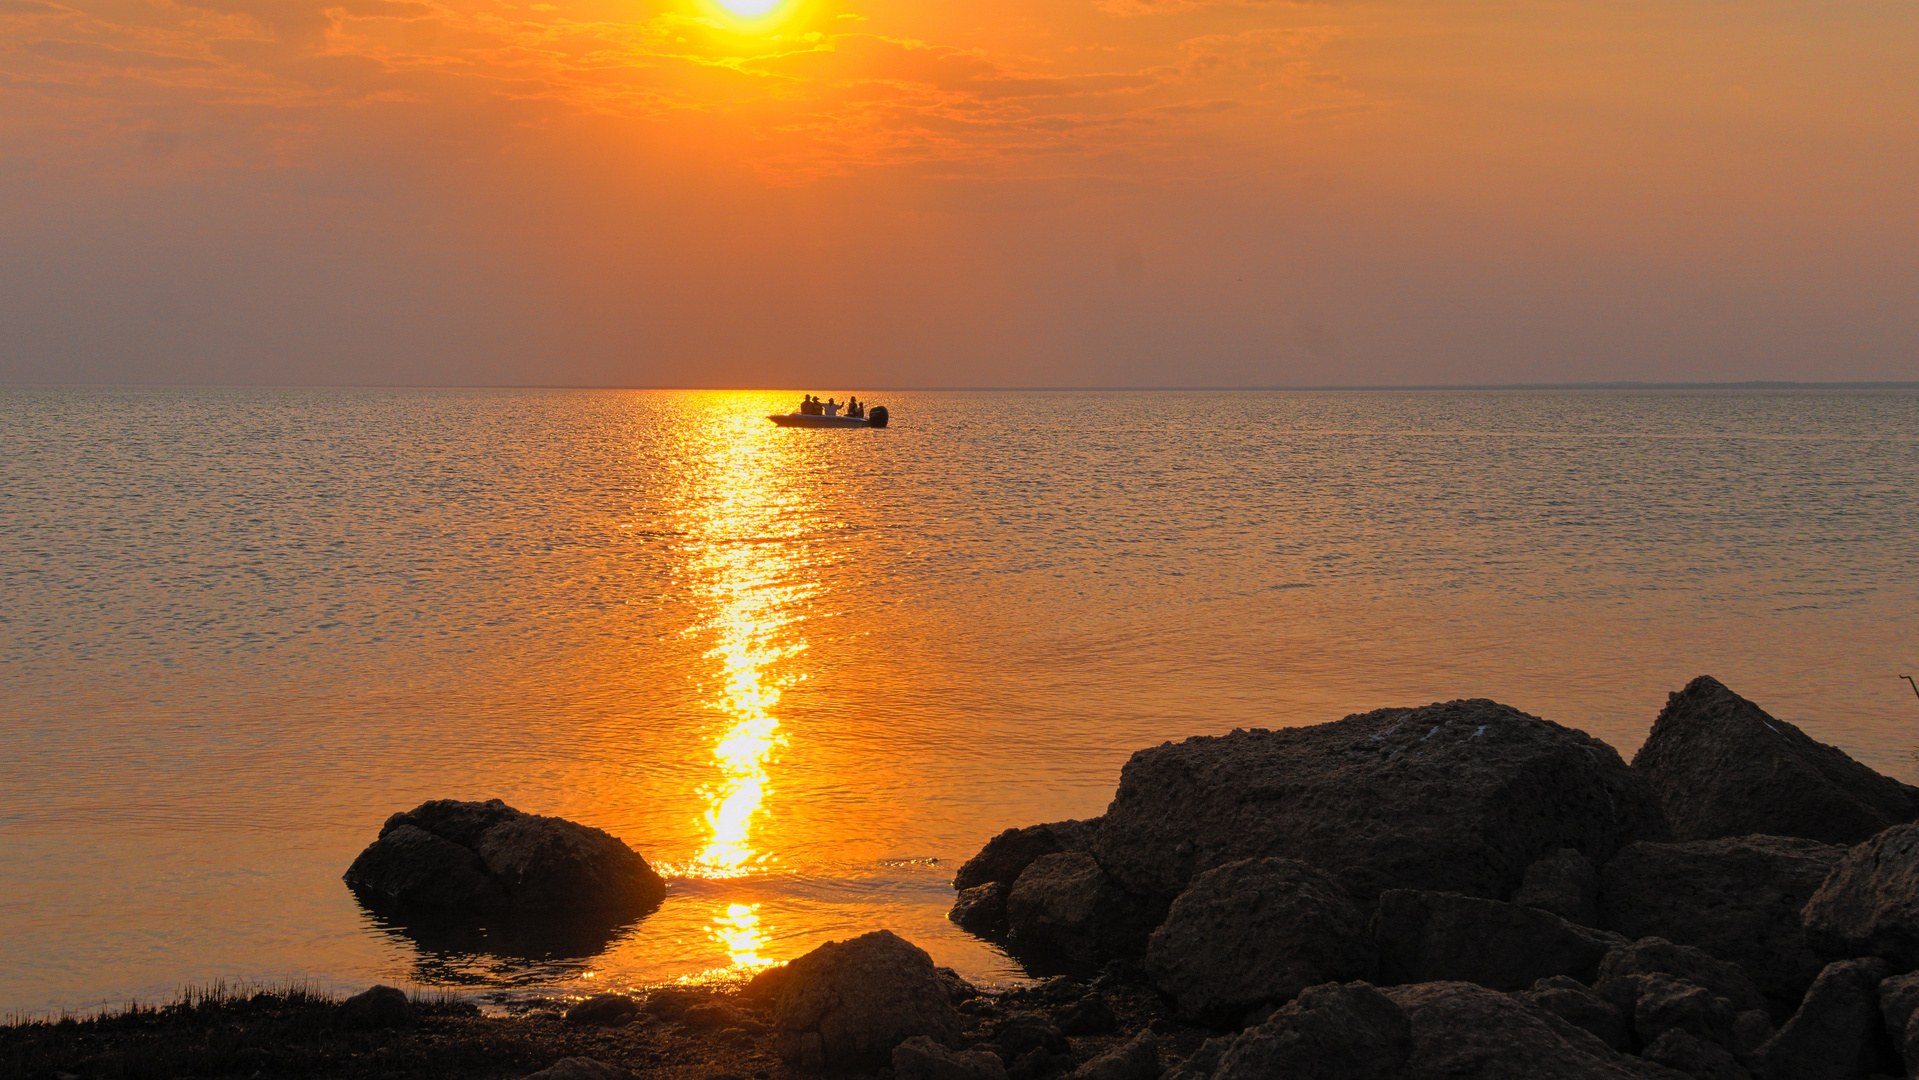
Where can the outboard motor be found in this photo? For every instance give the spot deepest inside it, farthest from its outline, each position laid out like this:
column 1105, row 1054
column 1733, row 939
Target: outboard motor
column 876, row 416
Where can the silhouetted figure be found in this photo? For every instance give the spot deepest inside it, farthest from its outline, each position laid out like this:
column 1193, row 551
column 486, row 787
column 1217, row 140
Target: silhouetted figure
column 832, row 407
column 853, row 407
column 810, row 406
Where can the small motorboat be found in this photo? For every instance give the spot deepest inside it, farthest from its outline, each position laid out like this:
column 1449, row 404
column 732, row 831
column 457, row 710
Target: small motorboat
column 875, row 417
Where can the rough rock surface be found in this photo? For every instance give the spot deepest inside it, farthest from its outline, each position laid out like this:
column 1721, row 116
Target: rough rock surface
column 982, row 908
column 1577, row 1004
column 1564, row 883
column 1008, row 855
column 1738, row 898
column 1462, row 1030
column 1665, row 1003
column 1022, row 1033
column 1203, row 1062
column 847, row 1004
column 1137, row 1059
column 1898, row 1004
column 1256, row 932
column 1330, row 1032
column 1459, row 796
column 487, row 856
column 376, row 1007
column 604, row 1010
column 579, row 1068
column 1065, row 903
column 1654, row 955
column 1837, row 1034
column 1723, row 767
column 1090, row 1015
column 1436, row 936
column 922, row 1058
column 1687, row 1053
column 1869, row 905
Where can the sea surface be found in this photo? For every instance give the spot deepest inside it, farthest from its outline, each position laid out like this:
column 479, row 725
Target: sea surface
column 806, row 673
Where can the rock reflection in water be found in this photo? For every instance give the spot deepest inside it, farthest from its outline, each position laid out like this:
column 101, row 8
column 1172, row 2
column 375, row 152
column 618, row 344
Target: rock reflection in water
column 500, row 948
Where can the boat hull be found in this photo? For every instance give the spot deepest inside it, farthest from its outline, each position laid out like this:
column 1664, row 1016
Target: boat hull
column 808, row 420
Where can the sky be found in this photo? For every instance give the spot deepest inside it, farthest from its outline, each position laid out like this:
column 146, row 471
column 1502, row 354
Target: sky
column 850, row 193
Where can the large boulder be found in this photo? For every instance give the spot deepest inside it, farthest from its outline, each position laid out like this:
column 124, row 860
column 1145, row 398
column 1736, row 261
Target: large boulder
column 1445, row 937
column 1256, row 932
column 1869, row 905
column 1460, row 796
column 846, row 1005
column 1577, row 1004
column 1066, row 904
column 982, row 908
column 1564, row 883
column 1330, row 1032
column 1007, row 855
column 489, row 856
column 1723, row 767
column 1620, row 972
column 1738, row 898
column 922, row 1058
column 1838, row 1033
column 1899, row 1007
column 1136, row 1059
column 1463, row 1030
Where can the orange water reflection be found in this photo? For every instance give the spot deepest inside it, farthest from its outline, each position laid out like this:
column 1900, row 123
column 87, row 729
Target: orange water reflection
column 749, row 571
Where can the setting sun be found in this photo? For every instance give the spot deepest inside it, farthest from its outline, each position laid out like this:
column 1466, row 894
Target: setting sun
column 750, row 9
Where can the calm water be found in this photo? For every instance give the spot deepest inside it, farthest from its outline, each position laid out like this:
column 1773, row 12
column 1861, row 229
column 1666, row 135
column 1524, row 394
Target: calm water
column 808, row 671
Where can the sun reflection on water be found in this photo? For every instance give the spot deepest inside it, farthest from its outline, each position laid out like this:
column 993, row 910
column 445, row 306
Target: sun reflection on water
column 748, row 567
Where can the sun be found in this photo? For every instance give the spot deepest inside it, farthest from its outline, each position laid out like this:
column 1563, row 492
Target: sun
column 752, row 16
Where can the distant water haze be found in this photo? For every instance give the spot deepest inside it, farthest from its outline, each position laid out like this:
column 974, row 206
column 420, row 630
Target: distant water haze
column 807, row 672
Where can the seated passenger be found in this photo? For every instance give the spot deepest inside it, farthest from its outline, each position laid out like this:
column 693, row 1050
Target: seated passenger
column 832, row 407
column 810, row 406
column 853, row 406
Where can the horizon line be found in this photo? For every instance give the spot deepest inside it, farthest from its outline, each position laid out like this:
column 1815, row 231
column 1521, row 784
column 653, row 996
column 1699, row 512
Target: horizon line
column 1619, row 384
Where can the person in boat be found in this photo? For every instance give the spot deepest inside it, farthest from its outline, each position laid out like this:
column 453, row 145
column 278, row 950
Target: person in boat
column 832, row 407
column 809, row 406
column 854, row 408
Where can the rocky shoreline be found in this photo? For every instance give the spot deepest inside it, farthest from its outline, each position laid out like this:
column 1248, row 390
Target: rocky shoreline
column 1458, row 890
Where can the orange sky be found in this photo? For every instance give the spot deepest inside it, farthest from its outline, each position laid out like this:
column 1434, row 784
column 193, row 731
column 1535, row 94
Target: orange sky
column 876, row 193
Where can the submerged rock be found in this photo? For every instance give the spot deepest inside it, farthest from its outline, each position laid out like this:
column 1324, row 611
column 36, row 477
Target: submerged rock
column 847, row 1004
column 1869, row 905
column 1723, row 767
column 1437, row 937
column 489, row 856
column 1257, row 932
column 1461, row 796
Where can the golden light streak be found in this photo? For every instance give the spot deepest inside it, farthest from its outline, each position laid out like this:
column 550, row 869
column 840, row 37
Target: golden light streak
column 739, row 931
column 757, row 591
